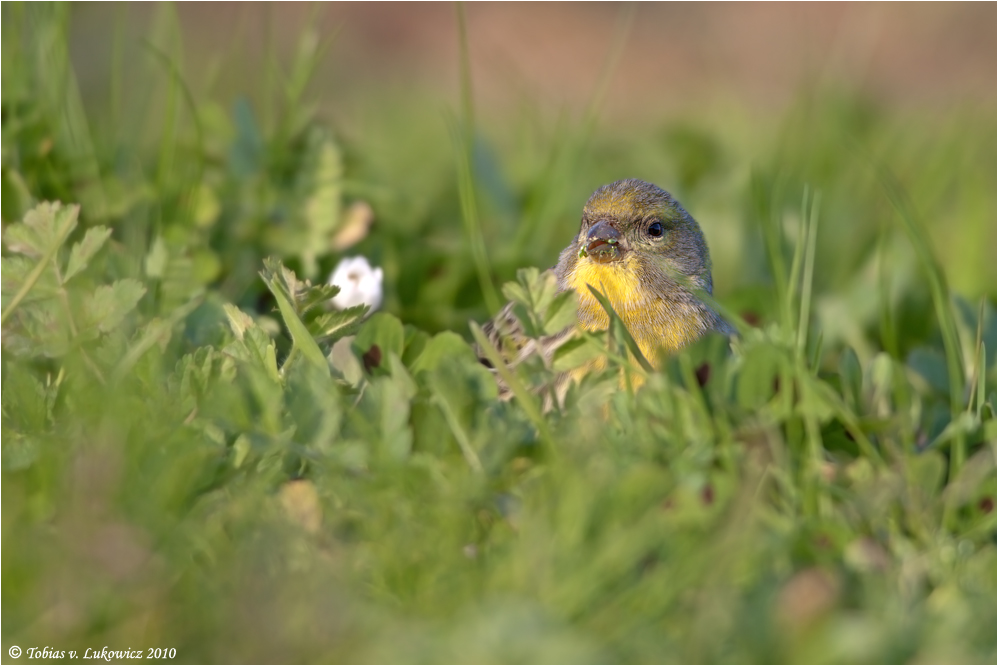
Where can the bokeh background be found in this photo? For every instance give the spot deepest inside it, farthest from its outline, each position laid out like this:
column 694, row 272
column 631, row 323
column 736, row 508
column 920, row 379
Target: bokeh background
column 565, row 97
column 175, row 476
column 677, row 57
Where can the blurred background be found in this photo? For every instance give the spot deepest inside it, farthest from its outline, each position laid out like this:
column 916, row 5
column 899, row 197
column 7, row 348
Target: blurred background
column 164, row 485
column 563, row 97
column 676, row 57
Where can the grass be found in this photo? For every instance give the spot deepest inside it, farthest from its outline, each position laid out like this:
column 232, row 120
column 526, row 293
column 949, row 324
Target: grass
column 188, row 462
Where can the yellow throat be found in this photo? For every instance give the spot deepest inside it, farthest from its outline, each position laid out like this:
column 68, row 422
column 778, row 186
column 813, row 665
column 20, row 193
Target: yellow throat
column 656, row 324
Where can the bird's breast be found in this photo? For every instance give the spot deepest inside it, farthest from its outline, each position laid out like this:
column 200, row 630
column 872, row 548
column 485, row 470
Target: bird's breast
column 655, row 323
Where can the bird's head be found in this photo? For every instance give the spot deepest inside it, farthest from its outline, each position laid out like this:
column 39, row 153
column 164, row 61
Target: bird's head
column 634, row 226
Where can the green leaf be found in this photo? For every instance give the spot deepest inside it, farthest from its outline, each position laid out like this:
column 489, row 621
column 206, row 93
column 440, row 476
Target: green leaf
column 516, row 291
column 240, row 450
column 456, row 385
column 239, row 321
column 975, row 479
column 415, row 344
column 526, row 283
column 246, row 154
column 576, row 352
column 300, row 335
column 383, row 330
column 283, row 285
column 541, row 309
column 42, row 331
column 313, row 405
column 26, row 401
column 302, row 294
column 442, row 346
column 761, row 365
column 252, row 345
column 43, row 229
column 19, row 451
column 206, row 206
column 279, row 278
column 816, row 397
column 338, row 324
column 155, row 331
column 14, row 194
column 107, row 306
column 157, row 259
column 881, row 374
column 182, row 279
column 525, row 397
column 561, row 312
column 928, row 471
column 37, row 231
column 964, row 424
column 852, row 378
column 930, row 364
column 257, row 349
column 17, row 269
column 320, row 294
column 197, row 372
column 323, row 176
column 345, row 362
column 384, row 409
column 83, row 252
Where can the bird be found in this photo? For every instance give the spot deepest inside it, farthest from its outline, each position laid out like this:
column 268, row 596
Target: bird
column 639, row 247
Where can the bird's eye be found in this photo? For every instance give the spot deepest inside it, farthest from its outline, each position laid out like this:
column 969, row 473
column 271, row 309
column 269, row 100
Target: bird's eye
column 655, row 230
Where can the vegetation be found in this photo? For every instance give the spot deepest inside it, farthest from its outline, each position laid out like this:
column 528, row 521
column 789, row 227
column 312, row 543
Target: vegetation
column 191, row 461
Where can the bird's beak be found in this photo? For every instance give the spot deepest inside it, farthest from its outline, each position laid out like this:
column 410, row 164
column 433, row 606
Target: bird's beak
column 602, row 243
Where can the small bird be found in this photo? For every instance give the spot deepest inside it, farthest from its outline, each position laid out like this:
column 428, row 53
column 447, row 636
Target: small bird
column 641, row 249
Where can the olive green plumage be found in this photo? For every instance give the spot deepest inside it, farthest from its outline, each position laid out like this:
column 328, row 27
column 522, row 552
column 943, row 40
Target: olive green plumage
column 640, row 248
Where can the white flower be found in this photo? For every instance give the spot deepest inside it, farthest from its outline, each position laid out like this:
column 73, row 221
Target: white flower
column 358, row 283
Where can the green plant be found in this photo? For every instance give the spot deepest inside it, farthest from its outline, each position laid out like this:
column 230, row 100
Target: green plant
column 198, row 453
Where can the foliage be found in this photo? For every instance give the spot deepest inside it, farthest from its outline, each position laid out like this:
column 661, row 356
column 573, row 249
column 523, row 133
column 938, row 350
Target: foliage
column 196, row 458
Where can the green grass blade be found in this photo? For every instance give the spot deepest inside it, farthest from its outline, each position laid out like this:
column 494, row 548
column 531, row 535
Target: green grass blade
column 941, row 303
column 629, row 341
column 465, row 139
column 768, row 197
column 177, row 82
column 459, row 434
column 888, row 328
column 569, row 147
column 808, row 279
column 793, row 282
